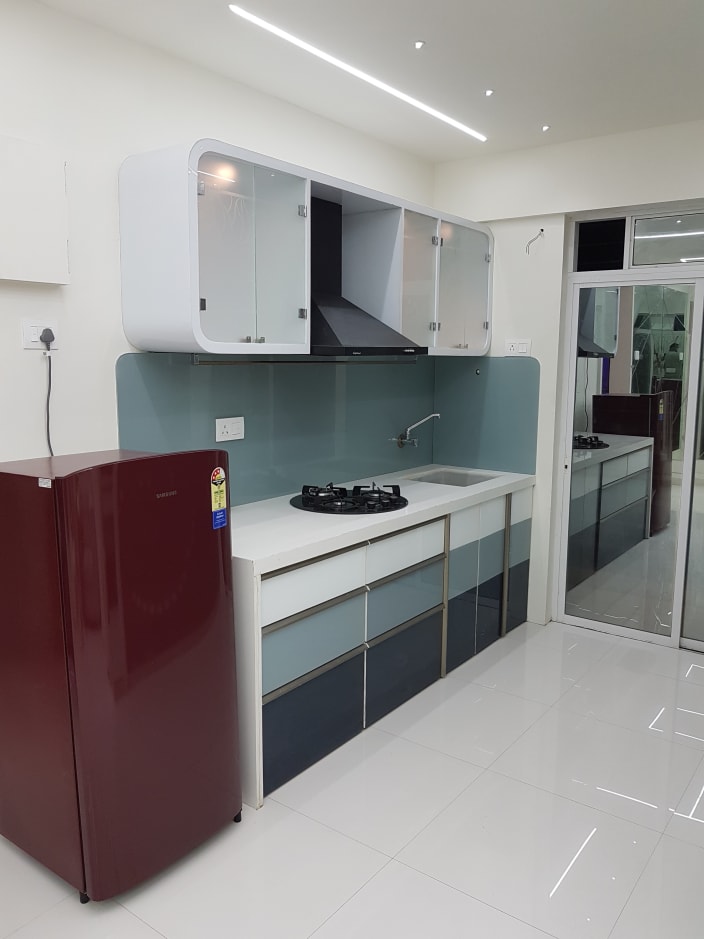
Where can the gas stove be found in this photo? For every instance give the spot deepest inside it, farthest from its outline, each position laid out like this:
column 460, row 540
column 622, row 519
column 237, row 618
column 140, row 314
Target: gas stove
column 588, row 442
column 361, row 500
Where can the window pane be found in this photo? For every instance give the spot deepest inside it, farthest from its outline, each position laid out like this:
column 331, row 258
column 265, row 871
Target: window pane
column 674, row 239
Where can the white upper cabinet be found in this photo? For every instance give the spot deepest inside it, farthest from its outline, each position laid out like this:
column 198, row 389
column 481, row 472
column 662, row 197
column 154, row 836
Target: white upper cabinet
column 214, row 252
column 216, row 257
column 447, row 270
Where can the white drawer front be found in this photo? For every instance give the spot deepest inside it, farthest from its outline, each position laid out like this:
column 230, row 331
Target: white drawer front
column 638, row 461
column 464, row 527
column 492, row 517
column 521, row 506
column 405, row 549
column 299, row 589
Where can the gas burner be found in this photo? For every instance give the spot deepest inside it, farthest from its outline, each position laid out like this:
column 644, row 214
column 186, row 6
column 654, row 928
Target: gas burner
column 361, row 501
column 588, row 442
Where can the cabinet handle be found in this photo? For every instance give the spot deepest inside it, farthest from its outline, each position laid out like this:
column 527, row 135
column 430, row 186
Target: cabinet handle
column 302, row 313
column 261, row 339
column 432, row 327
column 439, row 326
column 247, row 338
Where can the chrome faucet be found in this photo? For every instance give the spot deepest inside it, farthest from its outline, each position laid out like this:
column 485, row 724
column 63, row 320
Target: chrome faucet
column 404, row 440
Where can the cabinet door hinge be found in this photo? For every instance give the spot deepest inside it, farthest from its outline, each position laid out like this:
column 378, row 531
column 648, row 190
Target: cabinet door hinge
column 303, row 211
column 247, row 338
column 302, row 313
column 432, row 327
column 437, row 241
column 439, row 326
column 261, row 339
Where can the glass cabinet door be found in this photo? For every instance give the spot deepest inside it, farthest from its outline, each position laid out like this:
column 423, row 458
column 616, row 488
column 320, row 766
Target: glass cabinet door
column 226, row 248
column 419, row 278
column 463, row 297
column 280, row 240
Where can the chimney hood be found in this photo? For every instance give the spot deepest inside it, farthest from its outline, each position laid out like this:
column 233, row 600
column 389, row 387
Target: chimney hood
column 339, row 327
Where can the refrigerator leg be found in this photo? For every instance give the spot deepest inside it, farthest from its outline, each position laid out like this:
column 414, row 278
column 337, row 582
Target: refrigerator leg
column 83, row 897
column 238, row 817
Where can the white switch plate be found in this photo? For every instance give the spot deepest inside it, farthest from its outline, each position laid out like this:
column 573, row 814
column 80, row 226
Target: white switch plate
column 229, row 428
column 518, row 346
column 32, row 330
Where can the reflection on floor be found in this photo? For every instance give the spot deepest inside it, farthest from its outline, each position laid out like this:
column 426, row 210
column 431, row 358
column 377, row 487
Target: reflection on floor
column 636, row 590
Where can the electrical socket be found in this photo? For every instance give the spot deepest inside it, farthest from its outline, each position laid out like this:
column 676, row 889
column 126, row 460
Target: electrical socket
column 229, row 428
column 32, row 330
column 518, row 346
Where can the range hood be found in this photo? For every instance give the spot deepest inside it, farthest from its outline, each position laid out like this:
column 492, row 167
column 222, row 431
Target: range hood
column 339, row 327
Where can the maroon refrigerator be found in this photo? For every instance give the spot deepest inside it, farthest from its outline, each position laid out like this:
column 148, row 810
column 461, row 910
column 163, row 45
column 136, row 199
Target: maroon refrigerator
column 118, row 722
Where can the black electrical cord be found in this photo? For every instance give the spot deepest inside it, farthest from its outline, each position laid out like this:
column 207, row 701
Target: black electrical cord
column 47, row 337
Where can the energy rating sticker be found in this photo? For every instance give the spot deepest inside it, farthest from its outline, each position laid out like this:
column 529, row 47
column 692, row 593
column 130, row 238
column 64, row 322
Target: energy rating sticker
column 218, row 497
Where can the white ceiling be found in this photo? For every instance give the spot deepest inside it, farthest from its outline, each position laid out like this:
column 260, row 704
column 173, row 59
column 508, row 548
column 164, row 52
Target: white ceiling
column 586, row 67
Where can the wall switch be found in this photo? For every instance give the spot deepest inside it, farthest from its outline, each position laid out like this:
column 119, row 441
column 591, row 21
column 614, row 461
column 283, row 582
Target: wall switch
column 229, row 428
column 32, row 330
column 518, row 346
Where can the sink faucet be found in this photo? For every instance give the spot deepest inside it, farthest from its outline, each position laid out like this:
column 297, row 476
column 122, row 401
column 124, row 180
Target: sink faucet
column 403, row 439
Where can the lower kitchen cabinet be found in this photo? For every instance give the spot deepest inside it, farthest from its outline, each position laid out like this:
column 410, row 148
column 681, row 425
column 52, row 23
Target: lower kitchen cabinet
column 519, row 558
column 402, row 664
column 301, row 726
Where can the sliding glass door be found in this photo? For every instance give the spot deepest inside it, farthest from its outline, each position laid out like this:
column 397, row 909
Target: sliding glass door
column 632, row 462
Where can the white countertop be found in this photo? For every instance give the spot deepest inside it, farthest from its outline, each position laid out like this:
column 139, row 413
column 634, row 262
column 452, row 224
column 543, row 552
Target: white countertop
column 273, row 534
column 618, row 445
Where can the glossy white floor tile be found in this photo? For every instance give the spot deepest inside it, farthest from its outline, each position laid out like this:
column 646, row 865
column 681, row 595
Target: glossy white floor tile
column 26, row 888
column 582, row 759
column 532, row 669
column 550, row 862
column 276, row 874
column 469, row 722
column 646, row 702
column 378, row 789
column 70, row 920
column 523, row 797
column 400, row 902
column 666, row 903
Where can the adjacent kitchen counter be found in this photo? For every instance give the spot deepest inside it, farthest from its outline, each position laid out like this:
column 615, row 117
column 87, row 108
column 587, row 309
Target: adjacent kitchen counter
column 273, row 534
column 618, row 445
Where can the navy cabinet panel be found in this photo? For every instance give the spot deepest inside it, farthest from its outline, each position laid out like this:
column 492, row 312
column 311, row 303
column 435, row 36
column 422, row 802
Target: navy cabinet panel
column 488, row 612
column 461, row 628
column 303, row 725
column 517, row 606
column 621, row 531
column 402, row 665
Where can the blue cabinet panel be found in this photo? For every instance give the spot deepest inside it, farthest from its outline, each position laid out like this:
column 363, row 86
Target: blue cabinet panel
column 302, row 726
column 402, row 665
column 463, row 569
column 404, row 598
column 302, row 646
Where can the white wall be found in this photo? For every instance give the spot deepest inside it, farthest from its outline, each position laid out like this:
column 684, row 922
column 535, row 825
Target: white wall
column 97, row 98
column 661, row 164
column 517, row 193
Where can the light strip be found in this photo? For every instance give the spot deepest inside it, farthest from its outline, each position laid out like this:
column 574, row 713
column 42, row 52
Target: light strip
column 569, row 866
column 670, row 234
column 684, row 261
column 357, row 73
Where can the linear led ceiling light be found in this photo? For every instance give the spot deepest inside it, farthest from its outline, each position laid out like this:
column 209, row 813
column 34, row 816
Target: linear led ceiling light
column 672, row 234
column 357, row 73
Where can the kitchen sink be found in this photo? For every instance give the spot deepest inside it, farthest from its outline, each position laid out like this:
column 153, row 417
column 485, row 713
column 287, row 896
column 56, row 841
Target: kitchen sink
column 452, row 477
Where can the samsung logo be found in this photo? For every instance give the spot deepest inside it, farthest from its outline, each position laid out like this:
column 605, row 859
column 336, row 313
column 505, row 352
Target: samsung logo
column 166, row 495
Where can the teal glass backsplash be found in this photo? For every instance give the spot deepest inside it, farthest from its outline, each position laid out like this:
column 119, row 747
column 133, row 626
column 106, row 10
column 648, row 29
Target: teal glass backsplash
column 312, row 421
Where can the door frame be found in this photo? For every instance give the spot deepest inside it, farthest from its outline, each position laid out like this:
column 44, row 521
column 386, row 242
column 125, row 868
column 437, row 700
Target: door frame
column 629, row 276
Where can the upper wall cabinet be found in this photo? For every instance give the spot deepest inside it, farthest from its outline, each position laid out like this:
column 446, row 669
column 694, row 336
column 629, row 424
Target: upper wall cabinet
column 33, row 216
column 218, row 256
column 447, row 268
column 214, row 252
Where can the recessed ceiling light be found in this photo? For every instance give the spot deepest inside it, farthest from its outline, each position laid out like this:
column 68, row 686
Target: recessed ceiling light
column 419, row 43
column 679, row 221
column 352, row 70
column 545, row 127
column 489, row 92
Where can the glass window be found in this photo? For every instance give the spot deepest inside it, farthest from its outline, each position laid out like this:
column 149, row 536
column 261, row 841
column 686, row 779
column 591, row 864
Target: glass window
column 672, row 239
